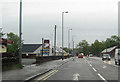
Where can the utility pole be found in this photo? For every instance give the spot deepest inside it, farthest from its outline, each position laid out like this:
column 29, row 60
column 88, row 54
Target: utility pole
column 62, row 33
column 73, row 45
column 42, row 45
column 69, row 40
column 55, row 41
column 106, row 46
column 20, row 33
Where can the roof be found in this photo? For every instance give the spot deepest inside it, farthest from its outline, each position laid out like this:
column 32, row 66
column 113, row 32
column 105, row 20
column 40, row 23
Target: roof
column 59, row 50
column 30, row 47
column 109, row 49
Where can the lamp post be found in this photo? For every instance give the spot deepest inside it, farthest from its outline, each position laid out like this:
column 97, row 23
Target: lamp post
column 63, row 30
column 73, row 45
column 20, row 33
column 69, row 40
column 1, row 33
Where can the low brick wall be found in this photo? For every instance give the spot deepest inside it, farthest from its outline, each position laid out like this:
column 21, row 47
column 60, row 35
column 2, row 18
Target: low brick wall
column 42, row 59
column 29, row 56
column 9, row 59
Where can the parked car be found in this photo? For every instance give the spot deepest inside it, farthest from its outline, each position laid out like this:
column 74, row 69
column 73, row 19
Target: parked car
column 117, row 56
column 106, row 57
column 80, row 55
column 91, row 55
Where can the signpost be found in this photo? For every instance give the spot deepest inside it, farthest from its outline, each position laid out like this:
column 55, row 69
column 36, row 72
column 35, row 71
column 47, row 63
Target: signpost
column 46, row 48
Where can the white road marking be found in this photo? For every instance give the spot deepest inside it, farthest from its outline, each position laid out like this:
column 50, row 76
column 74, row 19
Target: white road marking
column 86, row 60
column 75, row 76
column 94, row 69
column 89, row 61
column 104, row 66
column 102, row 77
column 90, row 65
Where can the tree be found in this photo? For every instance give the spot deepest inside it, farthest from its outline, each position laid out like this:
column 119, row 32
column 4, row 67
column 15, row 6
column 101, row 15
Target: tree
column 83, row 47
column 12, row 48
column 97, row 47
column 112, row 41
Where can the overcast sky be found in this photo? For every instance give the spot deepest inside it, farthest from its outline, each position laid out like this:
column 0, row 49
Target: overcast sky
column 89, row 19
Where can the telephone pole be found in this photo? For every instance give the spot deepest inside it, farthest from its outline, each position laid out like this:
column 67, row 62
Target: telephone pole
column 42, row 45
column 55, row 41
column 69, row 41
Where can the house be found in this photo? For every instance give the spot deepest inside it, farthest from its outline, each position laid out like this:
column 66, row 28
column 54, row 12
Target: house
column 59, row 52
column 31, row 50
column 110, row 51
column 3, row 48
column 3, row 45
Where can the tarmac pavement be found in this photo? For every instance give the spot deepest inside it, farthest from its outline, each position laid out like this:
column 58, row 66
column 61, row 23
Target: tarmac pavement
column 31, row 70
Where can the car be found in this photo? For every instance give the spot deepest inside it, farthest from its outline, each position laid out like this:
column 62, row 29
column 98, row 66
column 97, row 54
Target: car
column 117, row 56
column 91, row 55
column 106, row 57
column 80, row 55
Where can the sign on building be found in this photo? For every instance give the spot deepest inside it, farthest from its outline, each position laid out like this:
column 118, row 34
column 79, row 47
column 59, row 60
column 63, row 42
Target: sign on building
column 46, row 48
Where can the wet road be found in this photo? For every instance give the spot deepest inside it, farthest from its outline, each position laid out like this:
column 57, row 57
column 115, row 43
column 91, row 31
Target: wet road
column 80, row 69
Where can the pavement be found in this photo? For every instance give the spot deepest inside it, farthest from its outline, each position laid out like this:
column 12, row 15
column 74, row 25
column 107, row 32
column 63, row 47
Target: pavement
column 26, row 61
column 90, row 69
column 30, row 70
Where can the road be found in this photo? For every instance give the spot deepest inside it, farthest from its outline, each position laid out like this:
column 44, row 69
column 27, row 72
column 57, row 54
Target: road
column 83, row 69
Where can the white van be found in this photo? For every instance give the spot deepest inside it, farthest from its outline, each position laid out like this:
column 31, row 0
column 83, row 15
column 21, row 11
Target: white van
column 117, row 56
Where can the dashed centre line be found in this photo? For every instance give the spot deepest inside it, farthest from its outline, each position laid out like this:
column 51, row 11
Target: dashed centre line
column 102, row 77
column 96, row 71
column 90, row 65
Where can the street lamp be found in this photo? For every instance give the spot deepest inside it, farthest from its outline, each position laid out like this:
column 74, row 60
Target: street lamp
column 69, row 40
column 73, row 45
column 20, row 33
column 1, row 29
column 63, row 30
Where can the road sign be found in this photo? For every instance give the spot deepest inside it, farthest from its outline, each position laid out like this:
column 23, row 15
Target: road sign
column 10, row 42
column 46, row 48
column 46, row 44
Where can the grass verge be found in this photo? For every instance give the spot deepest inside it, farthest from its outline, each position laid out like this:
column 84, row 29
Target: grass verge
column 11, row 67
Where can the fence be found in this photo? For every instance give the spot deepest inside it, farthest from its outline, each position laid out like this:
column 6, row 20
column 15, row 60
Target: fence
column 9, row 59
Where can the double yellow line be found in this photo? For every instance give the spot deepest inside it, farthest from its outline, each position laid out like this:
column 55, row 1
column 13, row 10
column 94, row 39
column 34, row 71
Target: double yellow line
column 47, row 75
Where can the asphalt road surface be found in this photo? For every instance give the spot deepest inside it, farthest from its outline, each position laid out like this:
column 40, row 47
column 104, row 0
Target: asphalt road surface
column 83, row 69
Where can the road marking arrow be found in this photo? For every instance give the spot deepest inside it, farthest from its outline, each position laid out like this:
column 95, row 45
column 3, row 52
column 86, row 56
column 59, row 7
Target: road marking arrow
column 76, row 76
